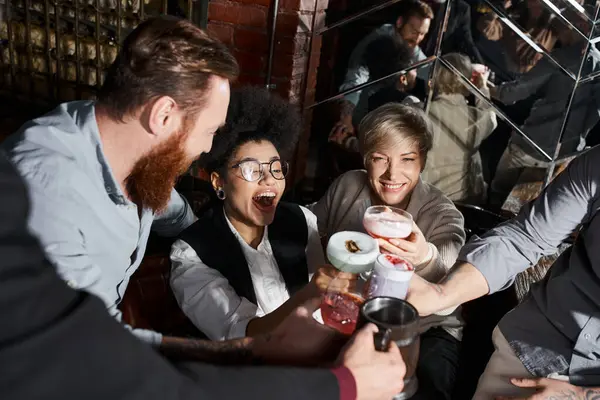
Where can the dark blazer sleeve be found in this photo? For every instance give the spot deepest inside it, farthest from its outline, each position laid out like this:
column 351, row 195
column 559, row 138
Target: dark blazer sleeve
column 58, row 343
column 464, row 34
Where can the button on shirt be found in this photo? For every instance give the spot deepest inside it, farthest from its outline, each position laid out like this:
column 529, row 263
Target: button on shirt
column 94, row 235
column 206, row 297
column 557, row 329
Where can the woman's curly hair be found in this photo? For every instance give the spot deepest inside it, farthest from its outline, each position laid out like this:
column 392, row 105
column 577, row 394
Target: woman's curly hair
column 254, row 114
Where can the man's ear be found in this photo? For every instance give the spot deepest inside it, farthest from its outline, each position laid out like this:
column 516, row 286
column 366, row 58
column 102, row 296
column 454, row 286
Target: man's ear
column 403, row 80
column 399, row 23
column 164, row 117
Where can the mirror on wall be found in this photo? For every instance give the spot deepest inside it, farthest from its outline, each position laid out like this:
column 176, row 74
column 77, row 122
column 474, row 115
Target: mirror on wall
column 538, row 59
column 359, row 51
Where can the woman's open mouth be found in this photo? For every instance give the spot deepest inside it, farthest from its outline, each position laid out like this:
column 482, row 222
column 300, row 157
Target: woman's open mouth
column 265, row 201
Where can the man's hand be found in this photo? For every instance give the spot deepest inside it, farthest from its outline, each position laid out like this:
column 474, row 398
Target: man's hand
column 322, row 279
column 378, row 375
column 424, row 296
column 463, row 283
column 300, row 340
column 414, row 248
column 552, row 389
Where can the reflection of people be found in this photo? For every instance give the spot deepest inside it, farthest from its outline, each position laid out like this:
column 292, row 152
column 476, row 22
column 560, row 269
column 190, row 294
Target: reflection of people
column 394, row 142
column 454, row 163
column 397, row 92
column 384, row 56
column 505, row 51
column 411, row 27
column 271, row 247
column 551, row 88
column 457, row 36
column 554, row 332
column 61, row 344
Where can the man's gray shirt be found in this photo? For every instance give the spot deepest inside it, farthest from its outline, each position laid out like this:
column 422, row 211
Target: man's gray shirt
column 94, row 235
column 557, row 328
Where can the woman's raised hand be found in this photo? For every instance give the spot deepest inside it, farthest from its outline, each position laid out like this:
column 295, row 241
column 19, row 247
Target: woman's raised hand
column 413, row 248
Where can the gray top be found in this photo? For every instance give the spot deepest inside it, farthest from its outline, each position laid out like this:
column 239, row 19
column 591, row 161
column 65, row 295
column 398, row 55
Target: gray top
column 557, row 328
column 88, row 228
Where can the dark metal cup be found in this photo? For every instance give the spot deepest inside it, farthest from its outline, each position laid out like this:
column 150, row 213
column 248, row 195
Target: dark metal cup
column 397, row 321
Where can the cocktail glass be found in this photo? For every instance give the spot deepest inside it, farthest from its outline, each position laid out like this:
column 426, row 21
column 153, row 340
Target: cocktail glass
column 387, row 222
column 341, row 303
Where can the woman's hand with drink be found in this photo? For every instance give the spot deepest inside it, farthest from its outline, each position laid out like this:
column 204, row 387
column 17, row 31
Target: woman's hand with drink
column 413, row 248
column 481, row 74
column 378, row 375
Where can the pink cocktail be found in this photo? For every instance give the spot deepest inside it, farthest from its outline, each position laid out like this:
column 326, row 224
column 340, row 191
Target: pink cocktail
column 340, row 311
column 387, row 222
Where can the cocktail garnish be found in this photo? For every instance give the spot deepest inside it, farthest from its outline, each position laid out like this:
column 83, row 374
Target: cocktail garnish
column 352, row 247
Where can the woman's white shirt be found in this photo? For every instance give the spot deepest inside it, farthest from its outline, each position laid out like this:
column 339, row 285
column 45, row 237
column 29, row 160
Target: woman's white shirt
column 208, row 300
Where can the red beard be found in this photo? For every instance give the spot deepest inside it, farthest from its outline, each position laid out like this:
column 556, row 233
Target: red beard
column 153, row 176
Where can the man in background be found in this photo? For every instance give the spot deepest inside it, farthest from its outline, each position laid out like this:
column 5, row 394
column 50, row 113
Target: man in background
column 410, row 28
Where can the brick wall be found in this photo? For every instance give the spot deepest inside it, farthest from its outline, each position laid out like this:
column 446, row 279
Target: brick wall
column 244, row 25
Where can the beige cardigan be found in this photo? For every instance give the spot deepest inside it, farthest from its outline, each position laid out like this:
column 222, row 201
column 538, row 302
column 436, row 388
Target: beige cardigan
column 344, row 204
column 454, row 163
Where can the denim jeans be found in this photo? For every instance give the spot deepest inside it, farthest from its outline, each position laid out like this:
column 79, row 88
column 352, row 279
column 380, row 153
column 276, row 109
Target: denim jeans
column 438, row 364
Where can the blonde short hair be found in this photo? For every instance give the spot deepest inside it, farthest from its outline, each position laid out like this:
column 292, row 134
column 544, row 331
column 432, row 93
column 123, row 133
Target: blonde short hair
column 392, row 123
column 446, row 81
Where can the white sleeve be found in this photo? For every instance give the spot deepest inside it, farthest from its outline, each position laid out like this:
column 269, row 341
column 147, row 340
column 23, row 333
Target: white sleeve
column 206, row 297
column 314, row 249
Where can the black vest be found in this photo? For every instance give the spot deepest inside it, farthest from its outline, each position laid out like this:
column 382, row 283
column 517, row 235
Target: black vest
column 218, row 248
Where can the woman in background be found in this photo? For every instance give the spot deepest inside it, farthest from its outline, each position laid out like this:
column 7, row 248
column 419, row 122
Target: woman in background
column 454, row 163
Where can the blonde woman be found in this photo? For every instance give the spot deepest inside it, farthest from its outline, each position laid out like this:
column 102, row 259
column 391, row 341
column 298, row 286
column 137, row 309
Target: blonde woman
column 394, row 141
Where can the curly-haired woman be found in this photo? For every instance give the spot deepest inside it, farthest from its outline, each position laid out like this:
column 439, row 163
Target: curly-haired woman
column 244, row 265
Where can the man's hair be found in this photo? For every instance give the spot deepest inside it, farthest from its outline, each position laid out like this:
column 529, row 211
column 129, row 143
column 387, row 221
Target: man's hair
column 254, row 115
column 164, row 56
column 446, row 81
column 393, row 123
column 386, row 55
column 415, row 8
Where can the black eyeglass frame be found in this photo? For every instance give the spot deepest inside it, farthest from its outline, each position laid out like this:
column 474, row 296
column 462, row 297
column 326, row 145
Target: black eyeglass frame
column 285, row 168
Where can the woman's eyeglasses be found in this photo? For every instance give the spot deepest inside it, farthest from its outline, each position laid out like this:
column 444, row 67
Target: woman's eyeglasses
column 252, row 170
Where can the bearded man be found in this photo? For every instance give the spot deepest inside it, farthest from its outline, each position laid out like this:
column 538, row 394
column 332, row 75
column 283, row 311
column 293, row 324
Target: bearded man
column 101, row 174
